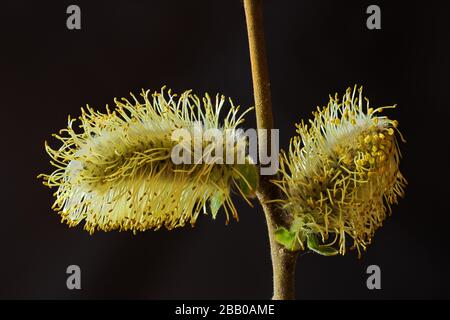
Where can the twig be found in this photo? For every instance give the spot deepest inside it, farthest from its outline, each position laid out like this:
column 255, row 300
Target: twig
column 283, row 261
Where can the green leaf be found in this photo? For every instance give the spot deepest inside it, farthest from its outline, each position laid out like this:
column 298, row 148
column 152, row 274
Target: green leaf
column 287, row 238
column 215, row 202
column 297, row 227
column 320, row 249
column 248, row 178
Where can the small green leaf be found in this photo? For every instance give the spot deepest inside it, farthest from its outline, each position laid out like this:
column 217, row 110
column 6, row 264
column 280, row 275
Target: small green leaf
column 297, row 227
column 215, row 202
column 248, row 178
column 320, row 249
column 287, row 238
column 284, row 237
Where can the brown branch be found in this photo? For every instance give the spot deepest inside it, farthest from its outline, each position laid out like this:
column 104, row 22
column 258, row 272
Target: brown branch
column 283, row 261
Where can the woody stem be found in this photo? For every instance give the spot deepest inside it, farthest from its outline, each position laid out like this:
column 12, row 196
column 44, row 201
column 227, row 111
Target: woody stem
column 283, row 261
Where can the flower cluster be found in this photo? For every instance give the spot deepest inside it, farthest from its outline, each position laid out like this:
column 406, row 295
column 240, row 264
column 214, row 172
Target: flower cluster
column 341, row 174
column 115, row 171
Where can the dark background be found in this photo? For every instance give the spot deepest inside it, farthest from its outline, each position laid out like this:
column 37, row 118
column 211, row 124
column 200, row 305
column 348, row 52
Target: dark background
column 314, row 47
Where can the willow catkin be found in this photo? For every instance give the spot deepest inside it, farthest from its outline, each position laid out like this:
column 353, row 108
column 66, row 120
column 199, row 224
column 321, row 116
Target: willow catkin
column 341, row 173
column 117, row 171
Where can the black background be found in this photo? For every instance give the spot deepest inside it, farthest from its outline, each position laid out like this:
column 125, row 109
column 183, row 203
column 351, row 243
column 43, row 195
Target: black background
column 315, row 48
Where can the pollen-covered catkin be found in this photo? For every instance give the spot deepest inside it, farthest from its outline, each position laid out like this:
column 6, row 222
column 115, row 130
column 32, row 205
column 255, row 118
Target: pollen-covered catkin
column 341, row 173
column 117, row 171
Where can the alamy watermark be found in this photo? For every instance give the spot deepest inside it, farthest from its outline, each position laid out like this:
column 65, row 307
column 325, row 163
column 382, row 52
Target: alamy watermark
column 230, row 146
column 73, row 21
column 374, row 280
column 373, row 22
column 74, row 279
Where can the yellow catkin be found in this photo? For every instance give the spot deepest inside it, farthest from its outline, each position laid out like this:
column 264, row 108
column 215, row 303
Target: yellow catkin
column 341, row 173
column 117, row 172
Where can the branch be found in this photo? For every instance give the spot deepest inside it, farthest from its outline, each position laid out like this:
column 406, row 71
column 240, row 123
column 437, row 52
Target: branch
column 283, row 260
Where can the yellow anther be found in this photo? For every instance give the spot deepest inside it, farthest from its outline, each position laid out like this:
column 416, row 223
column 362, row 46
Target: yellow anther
column 374, row 148
column 367, row 139
column 388, row 143
column 344, row 116
column 381, row 136
column 390, row 131
column 361, row 162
